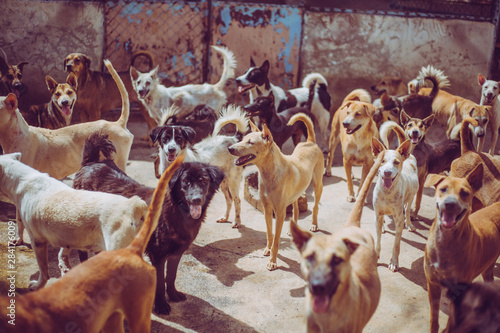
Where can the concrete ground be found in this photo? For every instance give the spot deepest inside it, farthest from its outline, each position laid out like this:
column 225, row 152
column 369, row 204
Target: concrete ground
column 224, row 273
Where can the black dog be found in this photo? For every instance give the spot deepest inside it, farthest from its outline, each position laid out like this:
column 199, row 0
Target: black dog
column 201, row 120
column 192, row 187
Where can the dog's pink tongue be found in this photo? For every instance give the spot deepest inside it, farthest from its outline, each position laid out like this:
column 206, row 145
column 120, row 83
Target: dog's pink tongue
column 195, row 211
column 66, row 110
column 387, row 183
column 320, row 303
column 448, row 219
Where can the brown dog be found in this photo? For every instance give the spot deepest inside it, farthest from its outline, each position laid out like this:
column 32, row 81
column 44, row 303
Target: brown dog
column 392, row 85
column 341, row 271
column 97, row 295
column 460, row 245
column 97, row 92
column 11, row 77
column 355, row 115
column 58, row 112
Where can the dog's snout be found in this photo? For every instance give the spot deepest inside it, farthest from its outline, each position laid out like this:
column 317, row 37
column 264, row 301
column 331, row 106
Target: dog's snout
column 451, row 204
column 197, row 200
column 345, row 124
column 387, row 173
column 231, row 149
column 171, row 149
column 17, row 85
column 65, row 102
column 238, row 80
column 68, row 67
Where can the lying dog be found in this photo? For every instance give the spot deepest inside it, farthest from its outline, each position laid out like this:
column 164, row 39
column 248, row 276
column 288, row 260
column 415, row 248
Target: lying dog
column 11, row 77
column 157, row 98
column 97, row 295
column 97, row 91
column 355, row 115
column 191, row 190
column 59, row 152
column 282, row 178
column 58, row 112
column 394, row 191
column 256, row 81
column 173, row 140
column 489, row 96
column 54, row 213
column 343, row 285
column 460, row 245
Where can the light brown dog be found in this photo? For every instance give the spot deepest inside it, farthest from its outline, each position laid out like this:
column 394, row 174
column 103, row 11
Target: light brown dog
column 343, row 286
column 354, row 127
column 282, row 178
column 97, row 295
column 460, row 245
column 97, row 91
column 59, row 152
column 392, row 85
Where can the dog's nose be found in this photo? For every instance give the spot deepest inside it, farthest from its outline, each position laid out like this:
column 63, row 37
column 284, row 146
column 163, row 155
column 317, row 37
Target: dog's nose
column 238, row 80
column 68, row 67
column 345, row 124
column 171, row 149
column 450, row 204
column 231, row 149
column 17, row 85
column 387, row 173
column 196, row 201
column 65, row 102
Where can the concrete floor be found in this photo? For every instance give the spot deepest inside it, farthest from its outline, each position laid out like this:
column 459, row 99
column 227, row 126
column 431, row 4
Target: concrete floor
column 224, row 274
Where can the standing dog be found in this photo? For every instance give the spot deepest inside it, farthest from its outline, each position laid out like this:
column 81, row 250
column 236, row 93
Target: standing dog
column 97, row 295
column 58, row 112
column 11, row 77
column 191, row 189
column 157, row 98
column 489, row 96
column 343, row 285
column 355, row 115
column 282, row 178
column 460, row 245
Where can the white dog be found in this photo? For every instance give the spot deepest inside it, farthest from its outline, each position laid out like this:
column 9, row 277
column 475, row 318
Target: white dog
column 158, row 98
column 56, row 214
column 489, row 96
column 394, row 191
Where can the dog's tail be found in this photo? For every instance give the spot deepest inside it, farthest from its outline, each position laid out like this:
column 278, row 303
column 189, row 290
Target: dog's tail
column 466, row 142
column 356, row 212
column 232, row 114
column 140, row 241
column 386, row 128
column 437, row 74
column 146, row 54
column 310, row 98
column 170, row 113
column 229, row 65
column 95, row 144
column 122, row 121
column 359, row 95
column 311, row 136
column 321, row 86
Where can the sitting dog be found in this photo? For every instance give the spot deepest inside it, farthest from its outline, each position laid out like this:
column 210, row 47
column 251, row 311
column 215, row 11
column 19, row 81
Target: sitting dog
column 341, row 271
column 97, row 295
column 58, row 112
column 54, row 213
column 356, row 117
column 173, row 140
column 11, row 77
column 489, row 96
column 257, row 82
column 191, row 190
column 460, row 245
column 97, row 91
column 394, row 191
column 282, row 178
column 157, row 98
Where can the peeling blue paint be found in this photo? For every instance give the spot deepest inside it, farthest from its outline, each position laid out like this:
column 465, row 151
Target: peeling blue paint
column 225, row 15
column 173, row 60
column 130, row 9
column 189, row 59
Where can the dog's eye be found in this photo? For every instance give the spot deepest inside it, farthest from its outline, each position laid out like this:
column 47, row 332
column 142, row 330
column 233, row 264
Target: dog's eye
column 443, row 190
column 336, row 260
column 147, row 83
column 464, row 194
column 58, row 94
column 311, row 258
column 396, row 162
column 384, row 161
column 139, row 82
column 19, row 76
column 77, row 61
column 10, row 76
column 69, row 92
column 383, row 83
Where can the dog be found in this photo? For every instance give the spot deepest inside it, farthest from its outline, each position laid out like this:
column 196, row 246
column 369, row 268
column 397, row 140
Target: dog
column 343, row 285
column 97, row 295
column 192, row 188
column 460, row 245
column 489, row 96
column 54, row 213
column 256, row 80
column 263, row 108
column 475, row 307
column 173, row 140
column 355, row 115
column 11, row 78
column 97, row 91
column 391, row 85
column 58, row 112
column 396, row 186
column 282, row 178
column 58, row 152
column 157, row 98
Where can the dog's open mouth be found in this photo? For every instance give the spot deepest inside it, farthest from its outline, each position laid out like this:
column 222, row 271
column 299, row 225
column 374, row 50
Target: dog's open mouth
column 415, row 139
column 195, row 211
column 351, row 131
column 387, row 182
column 242, row 89
column 143, row 93
column 66, row 109
column 321, row 302
column 449, row 219
column 244, row 159
column 171, row 156
column 488, row 99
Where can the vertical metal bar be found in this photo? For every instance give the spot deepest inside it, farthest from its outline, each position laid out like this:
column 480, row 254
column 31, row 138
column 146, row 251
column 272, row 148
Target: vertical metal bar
column 496, row 21
column 104, row 25
column 208, row 40
column 301, row 42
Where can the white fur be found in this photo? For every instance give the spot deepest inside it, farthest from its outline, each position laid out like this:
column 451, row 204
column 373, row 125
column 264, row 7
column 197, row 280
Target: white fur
column 490, row 96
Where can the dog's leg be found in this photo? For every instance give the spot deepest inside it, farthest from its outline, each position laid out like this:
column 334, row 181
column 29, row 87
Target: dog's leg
column 494, row 138
column 379, row 222
column 268, row 215
column 408, row 223
column 334, row 141
column 488, row 273
column 229, row 201
column 434, row 293
column 280, row 220
column 418, row 200
column 318, row 191
column 480, row 143
column 41, row 254
column 399, row 221
column 114, row 324
column 64, row 265
column 172, row 266
column 20, row 229
column 234, row 191
column 161, row 305
column 350, row 187
column 364, row 172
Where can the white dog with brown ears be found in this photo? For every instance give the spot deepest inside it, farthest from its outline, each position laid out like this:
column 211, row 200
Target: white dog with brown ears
column 489, row 96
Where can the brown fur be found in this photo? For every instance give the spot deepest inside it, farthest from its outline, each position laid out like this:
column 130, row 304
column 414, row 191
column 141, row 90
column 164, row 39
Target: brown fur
column 355, row 114
column 392, row 85
column 11, row 77
column 97, row 295
column 460, row 245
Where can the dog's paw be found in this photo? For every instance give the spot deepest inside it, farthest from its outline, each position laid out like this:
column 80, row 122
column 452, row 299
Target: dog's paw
column 162, row 307
column 313, row 228
column 328, row 173
column 63, row 270
column 18, row 242
column 414, row 217
column 351, row 198
column 267, row 252
column 223, row 219
column 176, row 296
column 34, row 285
column 393, row 267
column 271, row 266
column 383, row 228
column 411, row 227
column 236, row 225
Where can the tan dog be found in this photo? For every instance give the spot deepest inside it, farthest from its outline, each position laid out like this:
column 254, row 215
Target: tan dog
column 97, row 295
column 355, row 116
column 282, row 178
column 58, row 112
column 341, row 271
column 59, row 152
column 392, row 85
column 97, row 91
column 460, row 245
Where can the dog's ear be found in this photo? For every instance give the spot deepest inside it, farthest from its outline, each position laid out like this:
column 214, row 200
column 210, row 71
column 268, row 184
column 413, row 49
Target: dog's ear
column 351, row 246
column 265, row 67
column 189, row 133
column 4, row 67
column 481, row 79
column 72, row 81
column 404, row 118
column 405, row 149
column 300, row 236
column 271, row 97
column 134, row 74
column 471, row 112
column 378, row 115
column 16, row 156
column 253, row 127
column 11, row 102
column 259, row 93
column 377, row 146
column 86, row 61
column 252, row 63
column 51, row 83
column 475, row 177
column 216, row 176
column 154, row 72
column 156, row 132
column 429, row 121
column 385, row 98
column 177, row 175
column 346, row 105
column 433, row 180
column 21, row 65
column 266, row 134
